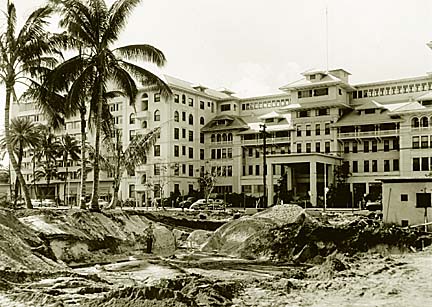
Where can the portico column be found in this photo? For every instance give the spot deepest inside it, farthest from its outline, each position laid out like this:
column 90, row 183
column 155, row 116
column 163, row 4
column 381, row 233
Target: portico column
column 313, row 183
column 270, row 189
column 288, row 171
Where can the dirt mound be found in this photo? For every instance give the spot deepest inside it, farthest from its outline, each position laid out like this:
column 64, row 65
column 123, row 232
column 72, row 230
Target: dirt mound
column 197, row 238
column 82, row 236
column 21, row 247
column 239, row 237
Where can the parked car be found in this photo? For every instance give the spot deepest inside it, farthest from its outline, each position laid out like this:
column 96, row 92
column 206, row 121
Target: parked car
column 201, row 204
column 217, row 204
column 35, row 203
column 187, row 202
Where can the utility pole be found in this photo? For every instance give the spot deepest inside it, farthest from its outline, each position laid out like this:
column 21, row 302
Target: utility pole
column 264, row 133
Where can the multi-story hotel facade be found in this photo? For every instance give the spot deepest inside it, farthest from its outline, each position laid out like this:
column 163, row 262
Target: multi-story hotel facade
column 381, row 129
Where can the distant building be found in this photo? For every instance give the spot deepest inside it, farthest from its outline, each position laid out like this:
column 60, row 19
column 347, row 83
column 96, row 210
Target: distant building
column 380, row 129
column 407, row 201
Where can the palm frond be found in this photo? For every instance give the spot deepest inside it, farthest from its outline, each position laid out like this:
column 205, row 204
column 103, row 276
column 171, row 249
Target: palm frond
column 142, row 52
column 118, row 13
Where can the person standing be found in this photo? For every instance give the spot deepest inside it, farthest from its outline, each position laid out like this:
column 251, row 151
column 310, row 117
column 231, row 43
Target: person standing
column 150, row 238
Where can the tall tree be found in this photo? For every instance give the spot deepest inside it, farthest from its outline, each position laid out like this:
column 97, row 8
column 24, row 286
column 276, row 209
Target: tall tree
column 95, row 28
column 69, row 151
column 23, row 54
column 118, row 159
column 23, row 134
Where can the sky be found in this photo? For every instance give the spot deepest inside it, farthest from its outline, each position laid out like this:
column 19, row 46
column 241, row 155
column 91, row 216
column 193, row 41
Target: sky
column 254, row 47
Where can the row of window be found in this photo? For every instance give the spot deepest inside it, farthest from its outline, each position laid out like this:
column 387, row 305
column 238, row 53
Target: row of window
column 371, row 146
column 318, row 112
column 190, row 119
column 313, row 93
column 266, row 104
column 373, row 166
column 423, row 122
column 424, row 141
column 222, row 137
column 222, row 171
column 248, row 170
column 190, row 135
column 190, row 102
column 422, row 164
column 190, row 152
column 308, row 131
column 286, row 149
column 221, row 153
column 392, row 90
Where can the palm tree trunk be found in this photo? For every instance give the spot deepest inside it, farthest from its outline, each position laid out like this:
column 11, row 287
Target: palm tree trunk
column 95, row 195
column 20, row 156
column 9, row 88
column 83, row 192
column 116, row 187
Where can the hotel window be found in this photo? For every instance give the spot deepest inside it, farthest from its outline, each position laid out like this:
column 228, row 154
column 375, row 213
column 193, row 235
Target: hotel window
column 229, row 170
column 366, row 146
column 425, row 122
column 190, row 152
column 386, row 145
column 308, row 147
column 225, row 107
column 212, row 107
column 213, row 154
column 183, row 116
column 396, row 165
column 250, row 170
column 257, row 170
column 156, row 150
column 184, row 169
column 176, row 133
column 202, row 104
column 190, row 119
column 416, row 164
column 176, row 151
column 424, row 141
column 191, row 136
column 191, row 170
column 202, row 138
column 355, row 167
column 156, row 169
column 184, row 150
column 327, row 147
column 132, row 191
column 317, row 129
column 305, row 113
column 176, row 116
column 308, row 130
column 257, row 153
column 374, row 146
column 156, row 116
column 424, row 164
column 183, row 99
column 132, row 119
column 317, row 147
column 396, row 144
column 229, row 153
column 322, row 112
column 386, row 165
column 224, row 151
column 144, row 102
column 176, row 98
column 327, row 129
column 346, row 147
column 144, row 124
column 298, row 130
column 156, row 97
column 415, row 142
column 250, row 152
column 201, row 120
column 202, row 154
column 321, row 91
column 190, row 100
column 366, row 166
column 374, row 166
column 299, row 147
column 304, row 94
column 404, row 197
column 355, row 149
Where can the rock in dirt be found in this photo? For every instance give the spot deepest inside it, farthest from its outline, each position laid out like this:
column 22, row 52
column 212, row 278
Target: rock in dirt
column 197, row 238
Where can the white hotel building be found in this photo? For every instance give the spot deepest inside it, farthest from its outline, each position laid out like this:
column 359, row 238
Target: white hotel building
column 382, row 129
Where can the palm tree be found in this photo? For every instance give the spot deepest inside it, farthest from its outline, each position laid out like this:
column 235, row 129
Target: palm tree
column 117, row 159
column 23, row 53
column 23, row 134
column 69, row 149
column 94, row 28
column 47, row 154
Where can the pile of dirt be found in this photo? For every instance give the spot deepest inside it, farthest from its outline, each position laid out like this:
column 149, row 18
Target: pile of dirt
column 234, row 238
column 21, row 248
column 82, row 236
column 190, row 290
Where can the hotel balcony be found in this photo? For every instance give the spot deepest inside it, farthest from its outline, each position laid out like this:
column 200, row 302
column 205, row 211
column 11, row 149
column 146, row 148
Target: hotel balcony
column 368, row 134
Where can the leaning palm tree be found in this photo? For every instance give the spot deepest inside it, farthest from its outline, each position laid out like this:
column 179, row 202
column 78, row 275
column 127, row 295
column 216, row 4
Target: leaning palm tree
column 118, row 159
column 23, row 53
column 94, row 28
column 23, row 134
column 69, row 150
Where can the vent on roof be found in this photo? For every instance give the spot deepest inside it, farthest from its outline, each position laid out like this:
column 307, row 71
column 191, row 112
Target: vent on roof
column 199, row 87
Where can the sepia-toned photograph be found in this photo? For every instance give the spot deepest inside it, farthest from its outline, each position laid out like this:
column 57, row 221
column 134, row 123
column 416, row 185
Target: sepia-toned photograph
column 203, row 153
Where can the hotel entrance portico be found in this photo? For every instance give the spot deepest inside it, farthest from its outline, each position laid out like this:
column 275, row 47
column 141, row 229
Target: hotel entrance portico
column 308, row 174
